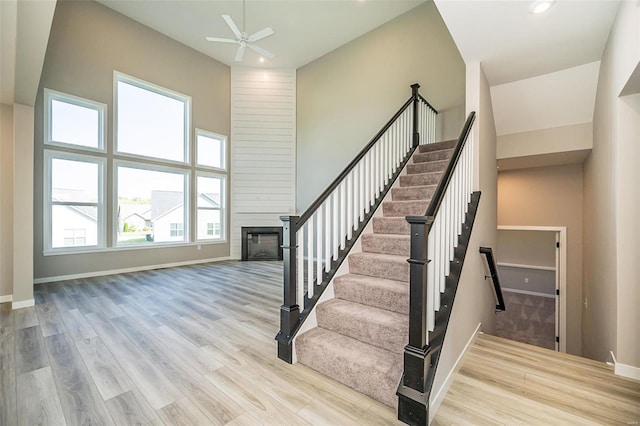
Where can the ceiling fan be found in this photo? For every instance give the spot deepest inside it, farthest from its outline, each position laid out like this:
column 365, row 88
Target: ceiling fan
column 243, row 39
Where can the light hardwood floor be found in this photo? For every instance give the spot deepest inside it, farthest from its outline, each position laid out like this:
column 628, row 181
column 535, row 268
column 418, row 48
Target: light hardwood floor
column 195, row 345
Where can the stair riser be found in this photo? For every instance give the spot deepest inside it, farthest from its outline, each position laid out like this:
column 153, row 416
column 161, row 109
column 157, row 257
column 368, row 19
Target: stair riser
column 436, row 166
column 432, row 156
column 382, row 225
column 423, row 179
column 400, row 209
column 391, row 337
column 437, row 146
column 393, row 270
column 374, row 244
column 412, row 193
column 393, row 299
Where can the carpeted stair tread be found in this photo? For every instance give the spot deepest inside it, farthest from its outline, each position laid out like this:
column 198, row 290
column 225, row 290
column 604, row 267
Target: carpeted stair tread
column 404, row 208
column 420, row 179
column 379, row 265
column 411, row 193
column 378, row 292
column 441, row 154
column 437, row 146
column 368, row 369
column 377, row 327
column 390, row 225
column 397, row 244
column 431, row 166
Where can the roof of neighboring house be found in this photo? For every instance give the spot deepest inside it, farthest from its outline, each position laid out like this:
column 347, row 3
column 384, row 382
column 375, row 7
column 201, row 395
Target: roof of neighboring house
column 164, row 202
column 127, row 210
column 71, row 195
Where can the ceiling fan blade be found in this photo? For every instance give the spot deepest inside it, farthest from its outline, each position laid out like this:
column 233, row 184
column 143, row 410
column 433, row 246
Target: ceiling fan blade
column 222, row 40
column 261, row 34
column 240, row 53
column 262, row 51
column 232, row 25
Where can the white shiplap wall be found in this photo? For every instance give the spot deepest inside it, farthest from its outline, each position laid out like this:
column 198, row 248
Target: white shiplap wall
column 263, row 149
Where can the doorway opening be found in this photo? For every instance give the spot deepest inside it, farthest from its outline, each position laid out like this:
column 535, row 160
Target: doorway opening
column 532, row 269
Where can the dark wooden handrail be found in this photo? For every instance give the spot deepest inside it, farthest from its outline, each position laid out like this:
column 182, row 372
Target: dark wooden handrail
column 325, row 194
column 438, row 194
column 427, row 102
column 493, row 268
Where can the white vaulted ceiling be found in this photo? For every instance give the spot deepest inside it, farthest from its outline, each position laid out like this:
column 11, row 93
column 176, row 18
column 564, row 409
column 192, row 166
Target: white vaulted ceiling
column 304, row 29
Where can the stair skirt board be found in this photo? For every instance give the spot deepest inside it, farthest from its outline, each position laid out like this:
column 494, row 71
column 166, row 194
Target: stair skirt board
column 357, row 331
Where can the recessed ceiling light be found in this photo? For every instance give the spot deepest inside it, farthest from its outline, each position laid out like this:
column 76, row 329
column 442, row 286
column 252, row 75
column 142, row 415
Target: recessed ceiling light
column 540, row 6
column 261, row 59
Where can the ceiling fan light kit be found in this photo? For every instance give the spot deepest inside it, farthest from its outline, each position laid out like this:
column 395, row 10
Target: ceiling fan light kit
column 243, row 40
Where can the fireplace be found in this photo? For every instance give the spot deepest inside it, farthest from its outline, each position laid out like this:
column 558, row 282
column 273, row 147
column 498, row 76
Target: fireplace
column 262, row 243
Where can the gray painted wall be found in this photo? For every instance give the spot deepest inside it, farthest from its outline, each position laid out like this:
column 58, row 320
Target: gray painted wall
column 346, row 96
column 88, row 42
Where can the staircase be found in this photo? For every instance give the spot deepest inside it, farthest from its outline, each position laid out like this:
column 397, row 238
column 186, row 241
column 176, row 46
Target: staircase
column 362, row 332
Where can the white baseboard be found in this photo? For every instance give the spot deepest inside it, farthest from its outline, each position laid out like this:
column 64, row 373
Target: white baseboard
column 628, row 371
column 437, row 399
column 23, row 304
column 7, row 298
column 126, row 270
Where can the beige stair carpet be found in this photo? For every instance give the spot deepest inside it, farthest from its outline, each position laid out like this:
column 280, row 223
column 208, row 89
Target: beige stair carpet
column 362, row 332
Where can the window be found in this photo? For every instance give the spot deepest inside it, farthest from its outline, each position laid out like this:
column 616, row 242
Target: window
column 70, row 120
column 74, row 205
column 210, row 149
column 75, row 237
column 210, row 205
column 153, row 166
column 155, row 198
column 176, row 229
column 151, row 121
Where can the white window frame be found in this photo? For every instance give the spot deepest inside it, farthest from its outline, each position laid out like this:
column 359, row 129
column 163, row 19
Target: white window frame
column 153, row 168
column 222, row 209
column 223, row 150
column 119, row 76
column 48, row 203
column 51, row 95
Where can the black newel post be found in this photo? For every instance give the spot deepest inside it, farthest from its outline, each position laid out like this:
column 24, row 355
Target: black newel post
column 289, row 311
column 414, row 94
column 413, row 400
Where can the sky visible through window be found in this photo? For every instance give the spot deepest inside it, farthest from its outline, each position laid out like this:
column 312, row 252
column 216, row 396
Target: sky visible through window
column 150, row 124
column 74, row 124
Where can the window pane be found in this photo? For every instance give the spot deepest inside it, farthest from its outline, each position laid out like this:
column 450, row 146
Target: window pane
column 74, row 124
column 149, row 202
column 74, row 181
column 150, row 124
column 74, row 226
column 209, row 225
column 210, row 151
column 209, row 192
column 210, row 203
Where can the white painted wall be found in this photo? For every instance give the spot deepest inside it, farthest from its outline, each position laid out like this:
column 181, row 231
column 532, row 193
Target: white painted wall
column 611, row 200
column 263, row 149
column 557, row 99
column 6, row 200
column 474, row 305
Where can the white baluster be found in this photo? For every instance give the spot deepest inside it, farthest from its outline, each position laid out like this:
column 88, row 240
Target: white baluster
column 343, row 208
column 356, row 196
column 349, row 205
column 361, row 191
column 327, row 234
column 367, row 181
column 300, row 262
column 310, row 266
column 335, row 195
column 319, row 260
column 430, row 283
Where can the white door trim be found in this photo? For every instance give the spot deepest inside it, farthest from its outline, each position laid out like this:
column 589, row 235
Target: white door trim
column 561, row 268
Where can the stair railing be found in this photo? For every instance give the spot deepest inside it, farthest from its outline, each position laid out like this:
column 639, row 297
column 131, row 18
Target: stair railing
column 434, row 238
column 316, row 243
column 495, row 278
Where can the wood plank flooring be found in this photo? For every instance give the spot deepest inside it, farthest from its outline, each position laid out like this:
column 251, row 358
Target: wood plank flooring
column 195, row 346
